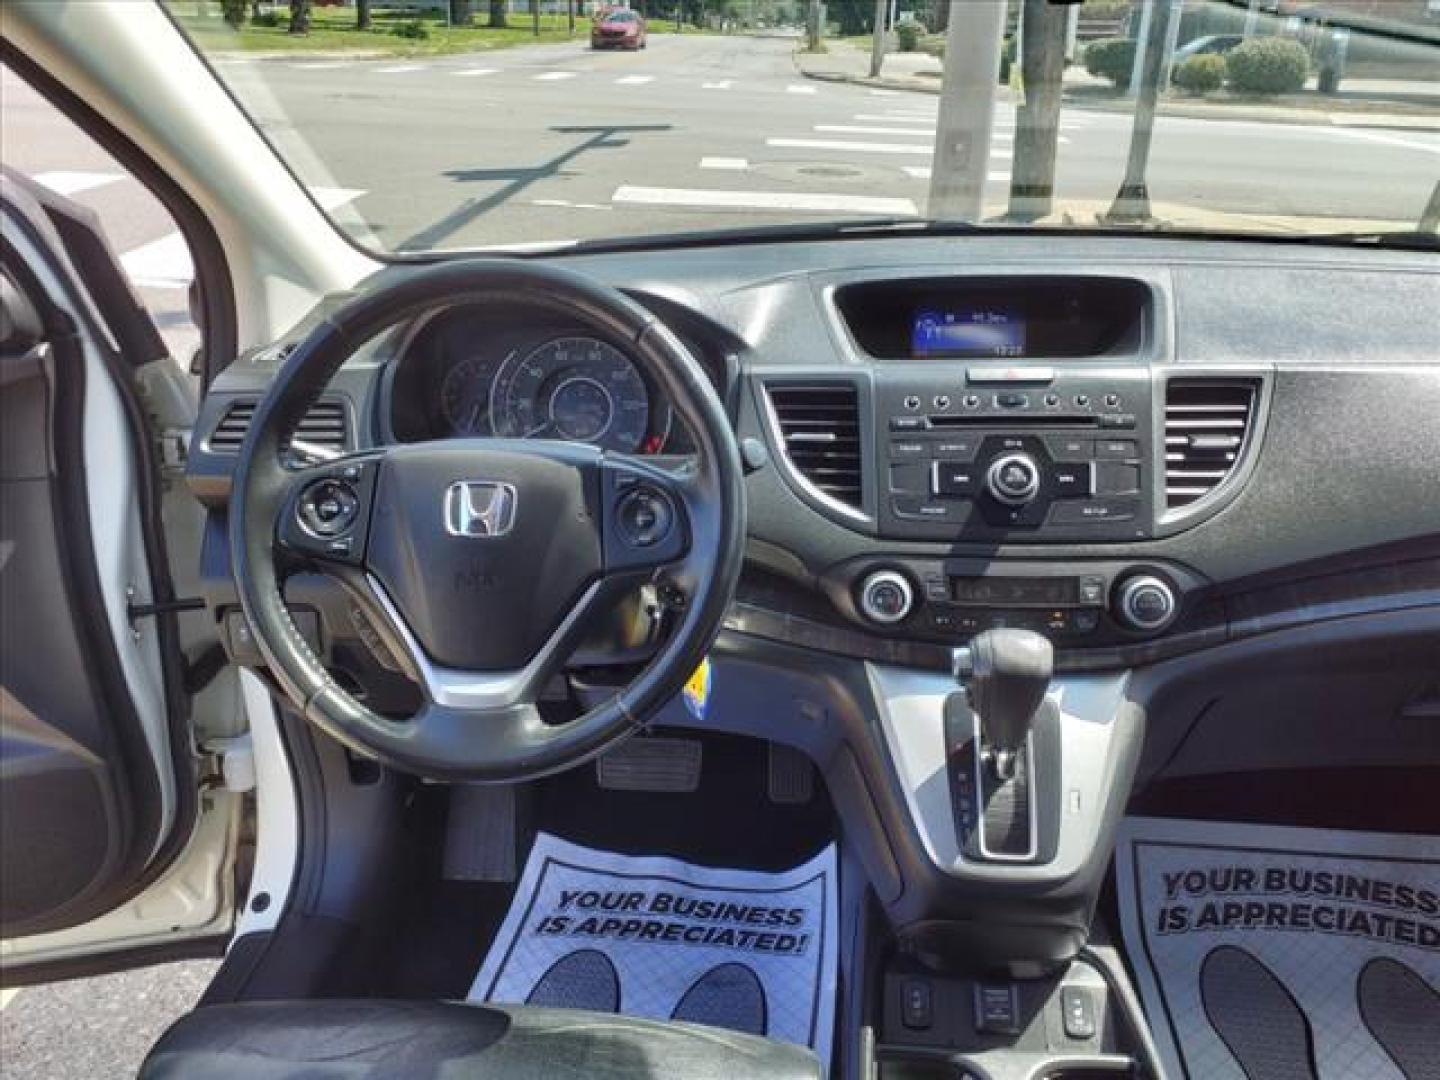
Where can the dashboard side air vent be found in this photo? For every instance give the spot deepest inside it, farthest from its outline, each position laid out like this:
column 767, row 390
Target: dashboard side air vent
column 819, row 430
column 326, row 425
column 1207, row 423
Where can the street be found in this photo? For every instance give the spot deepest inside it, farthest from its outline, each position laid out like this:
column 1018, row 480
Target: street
column 556, row 142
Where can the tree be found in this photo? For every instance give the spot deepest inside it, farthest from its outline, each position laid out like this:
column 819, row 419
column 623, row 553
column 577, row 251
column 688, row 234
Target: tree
column 939, row 20
column 497, row 15
column 299, row 16
column 362, row 14
column 233, row 12
column 1037, row 124
column 462, row 12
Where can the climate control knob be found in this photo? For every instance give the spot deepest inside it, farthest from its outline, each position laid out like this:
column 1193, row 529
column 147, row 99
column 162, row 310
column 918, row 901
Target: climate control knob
column 1145, row 603
column 886, row 597
column 1013, row 479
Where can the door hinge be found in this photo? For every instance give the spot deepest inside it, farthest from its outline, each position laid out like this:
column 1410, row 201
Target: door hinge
column 174, row 446
column 237, row 761
column 135, row 612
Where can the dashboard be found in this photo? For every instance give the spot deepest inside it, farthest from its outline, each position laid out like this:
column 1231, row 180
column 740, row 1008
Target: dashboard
column 1141, row 447
column 480, row 371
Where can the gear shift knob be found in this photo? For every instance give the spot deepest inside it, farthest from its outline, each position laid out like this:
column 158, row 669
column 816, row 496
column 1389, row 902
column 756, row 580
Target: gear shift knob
column 1005, row 672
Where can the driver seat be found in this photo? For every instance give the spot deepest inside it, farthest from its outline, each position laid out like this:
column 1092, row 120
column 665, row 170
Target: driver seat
column 391, row 1040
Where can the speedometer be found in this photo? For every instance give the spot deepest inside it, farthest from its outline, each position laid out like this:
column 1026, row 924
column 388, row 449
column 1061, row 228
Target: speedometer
column 574, row 388
column 465, row 395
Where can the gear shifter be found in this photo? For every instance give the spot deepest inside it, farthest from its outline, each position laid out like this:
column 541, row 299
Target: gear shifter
column 1005, row 672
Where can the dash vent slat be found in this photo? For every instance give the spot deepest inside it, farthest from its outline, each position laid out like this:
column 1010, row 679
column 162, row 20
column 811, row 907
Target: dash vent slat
column 1206, row 424
column 325, row 424
column 820, row 428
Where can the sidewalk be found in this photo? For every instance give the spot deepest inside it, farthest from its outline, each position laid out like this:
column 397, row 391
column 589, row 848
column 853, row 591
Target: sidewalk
column 921, row 73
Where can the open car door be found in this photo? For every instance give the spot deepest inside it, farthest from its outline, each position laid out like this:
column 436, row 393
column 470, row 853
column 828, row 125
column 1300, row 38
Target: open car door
column 109, row 854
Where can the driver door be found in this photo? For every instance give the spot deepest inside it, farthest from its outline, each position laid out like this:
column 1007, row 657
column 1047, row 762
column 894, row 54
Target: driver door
column 119, row 833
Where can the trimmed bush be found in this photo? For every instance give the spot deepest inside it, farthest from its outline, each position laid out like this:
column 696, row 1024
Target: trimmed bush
column 1267, row 66
column 1111, row 58
column 413, row 29
column 1200, row 75
column 908, row 35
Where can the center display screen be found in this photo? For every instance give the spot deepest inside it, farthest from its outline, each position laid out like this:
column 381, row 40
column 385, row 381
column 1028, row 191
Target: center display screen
column 1011, row 591
column 980, row 330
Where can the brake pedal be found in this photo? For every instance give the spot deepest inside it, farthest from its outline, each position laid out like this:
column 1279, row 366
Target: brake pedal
column 790, row 776
column 649, row 763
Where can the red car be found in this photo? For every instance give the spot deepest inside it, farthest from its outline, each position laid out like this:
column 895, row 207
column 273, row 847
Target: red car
column 618, row 28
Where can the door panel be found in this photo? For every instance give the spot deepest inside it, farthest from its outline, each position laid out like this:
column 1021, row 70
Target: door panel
column 89, row 791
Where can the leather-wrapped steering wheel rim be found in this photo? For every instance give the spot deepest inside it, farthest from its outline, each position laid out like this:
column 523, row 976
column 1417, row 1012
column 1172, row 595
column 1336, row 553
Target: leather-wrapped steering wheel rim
column 504, row 740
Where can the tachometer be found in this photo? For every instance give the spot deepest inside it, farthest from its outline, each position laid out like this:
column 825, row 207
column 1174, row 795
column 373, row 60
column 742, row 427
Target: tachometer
column 575, row 388
column 465, row 395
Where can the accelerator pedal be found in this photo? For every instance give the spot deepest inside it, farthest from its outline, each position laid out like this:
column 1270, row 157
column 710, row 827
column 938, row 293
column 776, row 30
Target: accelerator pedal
column 650, row 763
column 791, row 776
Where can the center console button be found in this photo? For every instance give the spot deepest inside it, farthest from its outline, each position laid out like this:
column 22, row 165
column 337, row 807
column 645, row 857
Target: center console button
column 1117, row 448
column 916, row 1012
column 1113, row 478
column 913, row 478
column 1070, row 481
column 1126, row 421
column 957, row 449
column 1092, row 511
column 954, row 480
column 908, row 448
column 907, row 423
column 1012, row 400
column 921, row 508
column 1070, row 448
column 1013, row 479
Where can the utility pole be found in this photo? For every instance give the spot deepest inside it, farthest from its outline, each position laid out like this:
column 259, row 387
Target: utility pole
column 535, row 17
column 1132, row 202
column 1037, row 123
column 877, row 47
column 967, row 110
column 570, row 15
column 812, row 25
column 1252, row 19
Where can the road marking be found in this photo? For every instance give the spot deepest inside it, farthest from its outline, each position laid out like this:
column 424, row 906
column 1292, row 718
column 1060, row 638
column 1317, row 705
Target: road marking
column 898, row 118
column 796, row 88
column 883, row 93
column 634, row 80
column 570, row 205
column 321, row 65
column 160, row 264
column 858, row 129
column 762, row 200
column 9, row 994
column 922, row 172
column 475, row 71
column 331, row 198
column 738, row 164
column 166, row 264
column 72, row 183
column 1390, row 140
column 399, row 69
column 554, row 76
column 722, row 84
column 851, row 146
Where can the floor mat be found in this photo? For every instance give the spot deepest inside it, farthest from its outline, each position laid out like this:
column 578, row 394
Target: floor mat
column 660, row 938
column 1270, row 953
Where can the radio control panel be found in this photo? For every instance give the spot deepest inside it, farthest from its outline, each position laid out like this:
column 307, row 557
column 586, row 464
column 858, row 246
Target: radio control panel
column 1015, row 454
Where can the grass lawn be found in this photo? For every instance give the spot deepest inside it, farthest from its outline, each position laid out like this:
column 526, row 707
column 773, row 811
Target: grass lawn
column 332, row 29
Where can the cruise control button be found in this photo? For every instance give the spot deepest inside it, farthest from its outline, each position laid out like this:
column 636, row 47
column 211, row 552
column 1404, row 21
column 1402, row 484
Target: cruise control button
column 1091, row 511
column 1070, row 481
column 1117, row 448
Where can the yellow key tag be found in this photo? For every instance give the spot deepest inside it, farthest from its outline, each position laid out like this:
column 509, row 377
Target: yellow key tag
column 697, row 690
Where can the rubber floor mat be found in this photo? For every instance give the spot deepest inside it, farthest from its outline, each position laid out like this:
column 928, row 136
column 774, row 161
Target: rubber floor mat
column 1269, row 953
column 660, row 938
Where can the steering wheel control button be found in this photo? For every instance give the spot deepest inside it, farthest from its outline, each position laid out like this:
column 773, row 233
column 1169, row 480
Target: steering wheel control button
column 1013, row 479
column 645, row 516
column 328, row 508
column 1146, row 603
column 886, row 597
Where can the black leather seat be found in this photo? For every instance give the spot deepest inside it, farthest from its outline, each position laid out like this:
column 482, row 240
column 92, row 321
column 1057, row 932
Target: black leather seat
column 380, row 1040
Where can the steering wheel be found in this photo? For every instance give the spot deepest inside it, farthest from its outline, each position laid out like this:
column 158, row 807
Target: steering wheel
column 479, row 561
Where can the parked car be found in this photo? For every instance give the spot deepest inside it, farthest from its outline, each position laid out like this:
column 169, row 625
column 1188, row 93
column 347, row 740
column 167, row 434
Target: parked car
column 1209, row 45
column 618, row 29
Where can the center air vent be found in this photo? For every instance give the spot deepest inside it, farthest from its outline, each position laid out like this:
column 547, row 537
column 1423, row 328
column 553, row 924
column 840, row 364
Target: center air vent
column 324, row 425
column 1206, row 422
column 820, row 428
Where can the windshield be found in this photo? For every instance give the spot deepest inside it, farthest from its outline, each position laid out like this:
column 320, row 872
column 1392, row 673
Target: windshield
column 466, row 124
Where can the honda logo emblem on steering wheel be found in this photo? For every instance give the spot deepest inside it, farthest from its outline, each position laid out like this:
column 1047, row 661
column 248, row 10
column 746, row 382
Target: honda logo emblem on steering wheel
column 479, row 508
